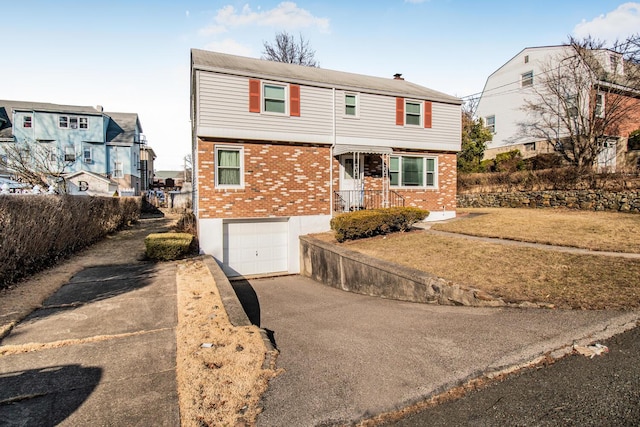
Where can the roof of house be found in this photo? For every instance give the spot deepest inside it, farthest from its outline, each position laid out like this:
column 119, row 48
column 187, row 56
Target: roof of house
column 312, row 76
column 169, row 174
column 121, row 127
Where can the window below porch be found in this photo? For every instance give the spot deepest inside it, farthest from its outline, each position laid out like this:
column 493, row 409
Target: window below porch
column 413, row 172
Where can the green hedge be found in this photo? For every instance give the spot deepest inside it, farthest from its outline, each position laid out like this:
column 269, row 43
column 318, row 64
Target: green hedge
column 169, row 246
column 38, row 230
column 368, row 223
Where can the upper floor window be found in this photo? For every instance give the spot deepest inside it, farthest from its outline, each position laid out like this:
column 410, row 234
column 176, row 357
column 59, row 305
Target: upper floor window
column 526, row 59
column 491, row 123
column 274, row 99
column 69, row 154
column 73, row 122
column 117, row 170
column 27, row 122
column 599, row 107
column 86, row 155
column 527, row 79
column 408, row 171
column 572, row 105
column 229, row 167
column 351, row 104
column 413, row 113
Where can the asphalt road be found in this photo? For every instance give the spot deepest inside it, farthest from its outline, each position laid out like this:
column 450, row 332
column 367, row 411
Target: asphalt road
column 599, row 391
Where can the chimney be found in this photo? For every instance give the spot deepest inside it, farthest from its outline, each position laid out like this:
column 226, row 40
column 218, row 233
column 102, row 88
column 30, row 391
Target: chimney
column 397, row 76
column 99, row 108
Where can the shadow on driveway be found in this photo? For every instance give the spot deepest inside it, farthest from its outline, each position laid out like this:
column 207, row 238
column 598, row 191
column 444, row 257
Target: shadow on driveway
column 47, row 396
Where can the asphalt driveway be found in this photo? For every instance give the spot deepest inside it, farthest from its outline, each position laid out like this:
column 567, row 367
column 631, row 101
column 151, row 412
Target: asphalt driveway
column 347, row 357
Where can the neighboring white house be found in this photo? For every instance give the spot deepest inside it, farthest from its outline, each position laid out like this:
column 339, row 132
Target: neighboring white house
column 279, row 148
column 506, row 90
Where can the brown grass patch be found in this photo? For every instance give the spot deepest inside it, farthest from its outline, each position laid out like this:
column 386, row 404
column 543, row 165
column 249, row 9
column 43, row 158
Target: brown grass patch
column 515, row 274
column 220, row 384
column 601, row 231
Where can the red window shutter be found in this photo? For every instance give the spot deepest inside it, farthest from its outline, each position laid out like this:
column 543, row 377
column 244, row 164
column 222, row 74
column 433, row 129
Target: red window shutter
column 294, row 100
column 254, row 96
column 427, row 114
column 400, row 111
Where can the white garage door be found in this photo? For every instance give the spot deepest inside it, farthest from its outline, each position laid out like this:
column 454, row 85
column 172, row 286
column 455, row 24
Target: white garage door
column 255, row 247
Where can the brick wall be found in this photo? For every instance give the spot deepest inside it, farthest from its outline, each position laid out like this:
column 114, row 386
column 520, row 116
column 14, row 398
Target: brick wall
column 290, row 180
column 280, row 180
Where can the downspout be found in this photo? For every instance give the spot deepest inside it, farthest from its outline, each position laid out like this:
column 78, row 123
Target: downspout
column 333, row 146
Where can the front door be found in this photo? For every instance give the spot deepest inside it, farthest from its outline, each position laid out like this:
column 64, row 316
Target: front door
column 606, row 161
column 351, row 181
column 350, row 178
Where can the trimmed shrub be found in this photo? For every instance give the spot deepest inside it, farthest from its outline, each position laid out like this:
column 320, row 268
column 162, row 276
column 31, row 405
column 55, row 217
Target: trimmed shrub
column 38, row 230
column 169, row 246
column 368, row 223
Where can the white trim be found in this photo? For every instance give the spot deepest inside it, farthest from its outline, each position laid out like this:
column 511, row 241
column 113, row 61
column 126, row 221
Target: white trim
column 240, row 149
column 420, row 105
column 424, row 158
column 284, row 86
column 357, row 106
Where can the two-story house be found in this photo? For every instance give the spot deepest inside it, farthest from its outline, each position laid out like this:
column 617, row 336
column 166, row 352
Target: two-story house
column 93, row 146
column 279, row 149
column 519, row 80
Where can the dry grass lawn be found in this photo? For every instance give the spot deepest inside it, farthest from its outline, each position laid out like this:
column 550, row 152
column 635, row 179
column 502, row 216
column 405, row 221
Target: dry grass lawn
column 221, row 383
column 602, row 231
column 520, row 274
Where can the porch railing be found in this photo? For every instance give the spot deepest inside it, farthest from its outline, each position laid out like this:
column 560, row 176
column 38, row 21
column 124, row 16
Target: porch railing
column 355, row 200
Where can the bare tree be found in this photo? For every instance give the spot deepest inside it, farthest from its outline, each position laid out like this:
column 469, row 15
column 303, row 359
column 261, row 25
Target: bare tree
column 583, row 97
column 287, row 49
column 38, row 163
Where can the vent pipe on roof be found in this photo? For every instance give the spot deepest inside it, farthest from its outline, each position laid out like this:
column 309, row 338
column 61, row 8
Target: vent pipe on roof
column 398, row 76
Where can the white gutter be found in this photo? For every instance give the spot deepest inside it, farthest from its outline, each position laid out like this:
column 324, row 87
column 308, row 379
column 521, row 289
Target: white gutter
column 333, row 145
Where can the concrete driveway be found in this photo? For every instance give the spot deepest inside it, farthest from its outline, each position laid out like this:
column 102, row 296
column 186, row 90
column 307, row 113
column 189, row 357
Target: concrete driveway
column 347, row 357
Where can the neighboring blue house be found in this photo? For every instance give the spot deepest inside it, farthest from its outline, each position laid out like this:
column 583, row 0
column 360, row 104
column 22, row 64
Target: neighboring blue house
column 89, row 139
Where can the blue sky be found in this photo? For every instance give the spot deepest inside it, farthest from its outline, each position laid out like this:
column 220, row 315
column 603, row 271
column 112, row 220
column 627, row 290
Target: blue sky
column 133, row 56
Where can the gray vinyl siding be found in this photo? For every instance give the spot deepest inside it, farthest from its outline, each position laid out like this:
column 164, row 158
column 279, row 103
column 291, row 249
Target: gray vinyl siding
column 223, row 111
column 223, row 102
column 377, row 120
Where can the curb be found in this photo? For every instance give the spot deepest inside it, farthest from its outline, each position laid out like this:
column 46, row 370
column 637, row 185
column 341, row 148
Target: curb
column 234, row 309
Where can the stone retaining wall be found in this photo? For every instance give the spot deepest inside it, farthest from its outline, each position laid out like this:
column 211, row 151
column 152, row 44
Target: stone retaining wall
column 352, row 271
column 598, row 200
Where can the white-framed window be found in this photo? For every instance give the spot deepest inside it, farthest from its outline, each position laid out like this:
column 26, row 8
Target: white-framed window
column 118, row 172
column 87, row 155
column 526, row 59
column 527, row 79
column 63, row 122
column 53, row 157
column 491, row 123
column 229, row 167
column 572, row 105
column 83, row 123
column 413, row 113
column 69, row 154
column 73, row 123
column 599, row 105
column 413, row 171
column 530, row 146
column 351, row 105
column 274, row 98
column 27, row 121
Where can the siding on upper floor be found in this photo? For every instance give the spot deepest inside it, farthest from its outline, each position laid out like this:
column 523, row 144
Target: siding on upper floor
column 222, row 108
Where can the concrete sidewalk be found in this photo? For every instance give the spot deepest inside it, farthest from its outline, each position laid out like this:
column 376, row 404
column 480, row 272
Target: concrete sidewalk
column 347, row 357
column 100, row 351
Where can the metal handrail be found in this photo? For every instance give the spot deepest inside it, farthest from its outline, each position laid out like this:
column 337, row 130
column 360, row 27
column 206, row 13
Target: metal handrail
column 354, row 200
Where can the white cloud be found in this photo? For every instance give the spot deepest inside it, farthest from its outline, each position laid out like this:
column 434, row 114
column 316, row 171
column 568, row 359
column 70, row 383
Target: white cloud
column 617, row 24
column 229, row 46
column 186, row 13
column 286, row 15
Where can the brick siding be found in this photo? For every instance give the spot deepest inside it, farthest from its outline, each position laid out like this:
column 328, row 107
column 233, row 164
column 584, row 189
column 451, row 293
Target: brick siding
column 283, row 179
